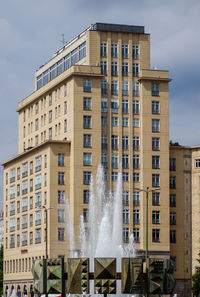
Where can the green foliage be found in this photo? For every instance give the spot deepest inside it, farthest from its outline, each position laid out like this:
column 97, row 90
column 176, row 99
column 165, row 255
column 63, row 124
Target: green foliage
column 196, row 281
column 1, row 270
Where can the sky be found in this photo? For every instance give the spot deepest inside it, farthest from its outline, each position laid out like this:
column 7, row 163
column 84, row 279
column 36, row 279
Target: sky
column 31, row 31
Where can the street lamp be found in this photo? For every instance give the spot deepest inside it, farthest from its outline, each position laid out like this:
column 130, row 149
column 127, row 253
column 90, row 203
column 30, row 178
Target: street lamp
column 147, row 191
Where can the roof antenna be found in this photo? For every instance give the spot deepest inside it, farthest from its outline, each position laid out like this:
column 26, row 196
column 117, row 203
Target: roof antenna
column 63, row 41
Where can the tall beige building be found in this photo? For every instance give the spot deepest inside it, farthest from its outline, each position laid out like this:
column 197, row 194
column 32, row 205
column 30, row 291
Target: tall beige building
column 96, row 101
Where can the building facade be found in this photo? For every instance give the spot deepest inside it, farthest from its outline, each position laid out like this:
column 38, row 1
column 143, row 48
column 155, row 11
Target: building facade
column 95, row 102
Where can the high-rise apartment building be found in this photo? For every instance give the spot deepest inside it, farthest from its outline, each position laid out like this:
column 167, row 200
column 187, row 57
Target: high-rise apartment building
column 96, row 101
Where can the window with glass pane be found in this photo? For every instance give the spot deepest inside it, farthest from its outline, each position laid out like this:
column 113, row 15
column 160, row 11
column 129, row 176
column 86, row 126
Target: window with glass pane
column 125, row 106
column 115, row 161
column 114, row 121
column 155, row 143
column 104, row 67
column 135, row 69
column 125, row 235
column 61, row 234
column 125, row 176
column 136, row 122
column 125, row 143
column 155, row 217
column 87, row 103
column 136, row 143
column 38, row 199
column 24, row 204
column 114, row 142
column 124, row 68
column 53, row 72
column 38, row 216
column 12, row 192
column 87, row 140
column 125, row 216
column 125, row 51
column 125, row 88
column 61, row 215
column 104, row 121
column 61, row 197
column 155, row 180
column 75, row 56
column 114, row 105
column 136, row 177
column 155, row 107
column 172, row 164
column 38, row 163
column 114, row 87
column 87, row 159
column 114, row 176
column 114, row 50
column 172, row 236
column 125, row 161
column 86, row 196
column 67, row 61
column 125, row 122
column 87, row 85
column 136, row 216
column 24, row 238
column 155, row 198
column 24, row 169
column 50, row 99
column 104, row 105
column 104, row 86
column 85, row 215
column 87, row 122
column 136, row 106
column 155, row 162
column 136, row 234
column 172, row 218
column 103, row 49
column 136, row 198
column 24, row 221
column 114, row 68
column 24, row 187
column 61, row 159
column 87, row 177
column 155, row 125
column 136, row 161
column 155, row 89
column 12, row 208
column 172, row 182
column 155, row 235
column 38, row 181
column 135, row 52
column 172, row 200
column 45, row 77
column 135, row 88
column 60, row 67
column 125, row 198
column 82, row 50
column 104, row 142
column 104, row 160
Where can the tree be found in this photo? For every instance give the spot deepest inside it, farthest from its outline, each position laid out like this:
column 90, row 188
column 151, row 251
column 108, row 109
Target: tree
column 1, row 270
column 196, row 281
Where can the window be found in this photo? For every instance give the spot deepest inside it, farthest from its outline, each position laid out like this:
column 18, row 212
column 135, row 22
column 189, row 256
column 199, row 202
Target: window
column 31, row 220
column 87, row 122
column 125, row 88
column 18, row 206
column 36, row 124
column 38, row 163
column 87, row 85
column 24, row 169
column 172, row 200
column 125, row 176
column 125, row 106
column 114, row 68
column 172, row 182
column 172, row 164
column 36, row 108
column 125, row 235
column 115, row 161
column 65, row 107
column 155, row 162
column 85, row 215
column 18, row 241
column 155, row 217
column 136, row 143
column 135, row 52
column 50, row 116
column 31, row 237
column 136, row 198
column 12, row 192
column 104, row 86
column 155, row 107
column 24, row 187
column 61, row 159
column 125, row 216
column 86, row 196
column 125, row 198
column 114, row 142
column 124, row 68
column 125, row 161
column 18, row 173
column 65, row 125
column 136, row 216
column 104, row 105
column 155, row 144
column 87, row 159
column 115, row 121
column 155, row 235
column 12, row 208
column 37, row 235
column 38, row 199
column 24, row 221
column 135, row 69
column 125, row 51
column 114, row 105
column 136, row 122
column 50, row 133
column 104, row 142
column 87, row 140
column 155, row 125
column 31, row 202
column 155, row 198
column 136, row 177
column 172, row 218
column 114, row 87
column 24, row 238
column 197, row 163
column 103, row 49
column 136, row 234
column 114, row 50
column 38, row 215
column 155, row 180
column 25, row 204
column 155, row 89
column 114, row 176
column 125, row 143
column 61, row 233
column 136, row 106
column 104, row 121
column 135, row 88
column 86, row 177
column 12, row 224
column 61, row 197
column 61, row 215
column 104, row 160
column 61, row 178
column 74, row 56
column 31, row 167
column 50, row 99
column 172, row 236
column 87, row 103
column 125, row 122
column 136, row 161
column 38, row 181
column 12, row 175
